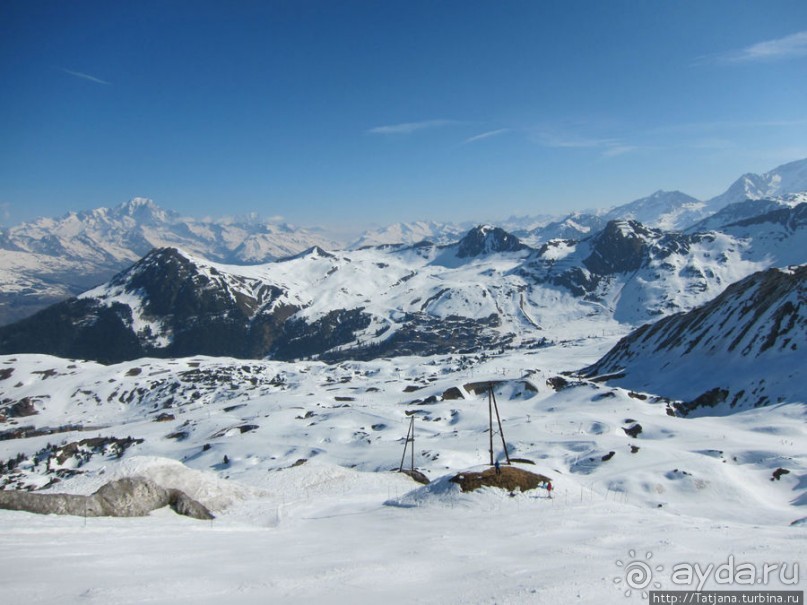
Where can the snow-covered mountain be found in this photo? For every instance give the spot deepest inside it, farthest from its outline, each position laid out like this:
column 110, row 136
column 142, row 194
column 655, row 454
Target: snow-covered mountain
column 411, row 233
column 487, row 290
column 743, row 349
column 50, row 259
column 787, row 178
column 666, row 210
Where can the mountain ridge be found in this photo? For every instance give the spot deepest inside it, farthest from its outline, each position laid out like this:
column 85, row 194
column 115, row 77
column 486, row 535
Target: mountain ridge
column 487, row 290
column 49, row 260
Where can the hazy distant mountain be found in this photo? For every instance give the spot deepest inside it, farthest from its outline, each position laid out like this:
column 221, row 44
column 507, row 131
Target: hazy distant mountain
column 784, row 179
column 411, row 233
column 50, row 259
column 667, row 210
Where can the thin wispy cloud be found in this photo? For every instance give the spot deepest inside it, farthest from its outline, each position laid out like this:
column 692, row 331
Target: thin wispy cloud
column 572, row 141
column 789, row 47
column 608, row 147
column 617, row 150
column 83, row 76
column 409, row 127
column 486, row 135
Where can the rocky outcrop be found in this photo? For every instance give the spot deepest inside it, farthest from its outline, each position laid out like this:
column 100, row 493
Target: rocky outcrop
column 128, row 497
column 486, row 240
column 510, row 478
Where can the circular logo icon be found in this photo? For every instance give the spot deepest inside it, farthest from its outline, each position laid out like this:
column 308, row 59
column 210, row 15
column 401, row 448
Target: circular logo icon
column 637, row 575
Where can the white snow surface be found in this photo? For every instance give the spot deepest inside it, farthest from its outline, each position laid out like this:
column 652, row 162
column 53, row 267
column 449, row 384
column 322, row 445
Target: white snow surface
column 342, row 528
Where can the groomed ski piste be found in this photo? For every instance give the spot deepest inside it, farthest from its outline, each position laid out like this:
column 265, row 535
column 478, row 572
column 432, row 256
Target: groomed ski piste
column 296, row 461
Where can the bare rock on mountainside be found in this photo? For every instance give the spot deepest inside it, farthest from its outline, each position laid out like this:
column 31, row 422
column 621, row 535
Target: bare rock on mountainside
column 509, row 478
column 128, row 497
column 745, row 348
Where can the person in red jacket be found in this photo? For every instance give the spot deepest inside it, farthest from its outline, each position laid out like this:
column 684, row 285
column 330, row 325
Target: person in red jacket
column 548, row 489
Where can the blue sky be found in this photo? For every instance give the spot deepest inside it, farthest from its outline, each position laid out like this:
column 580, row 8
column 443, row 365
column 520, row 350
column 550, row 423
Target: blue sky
column 353, row 113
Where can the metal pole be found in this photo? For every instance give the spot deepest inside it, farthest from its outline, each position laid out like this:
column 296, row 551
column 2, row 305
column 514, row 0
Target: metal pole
column 412, row 422
column 501, row 431
column 490, row 420
column 406, row 443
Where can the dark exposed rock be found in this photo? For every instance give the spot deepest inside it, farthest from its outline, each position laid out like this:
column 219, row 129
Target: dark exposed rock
column 620, row 247
column 452, row 394
column 112, row 446
column 510, row 478
column 20, row 409
column 416, row 475
column 201, row 311
column 486, row 240
column 478, row 388
column 709, row 399
column 633, row 431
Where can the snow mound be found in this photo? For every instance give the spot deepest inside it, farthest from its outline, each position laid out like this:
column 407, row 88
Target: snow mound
column 206, row 487
column 441, row 492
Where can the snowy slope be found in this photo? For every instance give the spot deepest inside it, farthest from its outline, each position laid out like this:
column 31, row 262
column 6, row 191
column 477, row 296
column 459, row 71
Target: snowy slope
column 747, row 347
column 340, row 528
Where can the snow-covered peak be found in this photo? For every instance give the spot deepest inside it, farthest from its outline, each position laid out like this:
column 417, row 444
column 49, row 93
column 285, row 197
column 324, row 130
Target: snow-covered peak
column 411, row 233
column 141, row 210
column 669, row 210
column 787, row 178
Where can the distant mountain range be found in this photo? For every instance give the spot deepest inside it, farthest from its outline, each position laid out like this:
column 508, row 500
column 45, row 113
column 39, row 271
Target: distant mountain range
column 49, row 260
column 489, row 290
